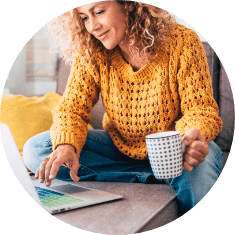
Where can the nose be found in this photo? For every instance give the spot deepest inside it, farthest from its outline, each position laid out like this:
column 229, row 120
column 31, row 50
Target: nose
column 94, row 25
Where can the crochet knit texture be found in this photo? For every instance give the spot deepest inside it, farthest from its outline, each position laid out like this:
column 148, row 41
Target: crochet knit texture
column 171, row 92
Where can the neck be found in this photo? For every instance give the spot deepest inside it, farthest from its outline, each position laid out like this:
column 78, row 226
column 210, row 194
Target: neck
column 125, row 51
column 133, row 57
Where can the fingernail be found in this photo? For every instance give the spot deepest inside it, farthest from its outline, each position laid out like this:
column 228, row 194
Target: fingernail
column 47, row 184
column 185, row 142
column 41, row 180
column 50, row 177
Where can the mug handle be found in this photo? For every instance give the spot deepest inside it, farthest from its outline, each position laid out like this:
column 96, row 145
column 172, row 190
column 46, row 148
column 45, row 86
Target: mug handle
column 183, row 146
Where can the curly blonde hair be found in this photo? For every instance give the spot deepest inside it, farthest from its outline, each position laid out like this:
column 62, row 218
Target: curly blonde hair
column 147, row 28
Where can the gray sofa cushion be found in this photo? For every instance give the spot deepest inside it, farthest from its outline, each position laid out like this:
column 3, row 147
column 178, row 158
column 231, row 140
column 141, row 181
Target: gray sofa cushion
column 226, row 107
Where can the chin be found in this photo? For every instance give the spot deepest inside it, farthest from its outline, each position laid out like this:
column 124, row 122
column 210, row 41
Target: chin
column 109, row 46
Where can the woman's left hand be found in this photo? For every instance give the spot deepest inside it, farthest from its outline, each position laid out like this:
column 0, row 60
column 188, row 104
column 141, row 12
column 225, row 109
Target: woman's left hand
column 196, row 149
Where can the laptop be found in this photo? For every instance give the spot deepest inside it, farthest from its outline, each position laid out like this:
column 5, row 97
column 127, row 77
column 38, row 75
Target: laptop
column 61, row 195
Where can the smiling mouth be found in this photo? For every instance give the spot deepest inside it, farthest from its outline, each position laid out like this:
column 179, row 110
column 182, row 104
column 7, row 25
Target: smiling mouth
column 102, row 35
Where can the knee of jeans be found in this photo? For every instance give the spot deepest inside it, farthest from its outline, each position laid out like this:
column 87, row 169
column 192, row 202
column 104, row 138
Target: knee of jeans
column 33, row 146
column 27, row 152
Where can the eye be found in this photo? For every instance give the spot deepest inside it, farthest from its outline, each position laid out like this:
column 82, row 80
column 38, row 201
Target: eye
column 97, row 13
column 100, row 12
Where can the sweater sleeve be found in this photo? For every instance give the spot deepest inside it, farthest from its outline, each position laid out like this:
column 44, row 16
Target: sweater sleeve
column 71, row 116
column 198, row 106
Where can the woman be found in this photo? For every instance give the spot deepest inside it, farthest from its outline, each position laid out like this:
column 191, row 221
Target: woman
column 153, row 77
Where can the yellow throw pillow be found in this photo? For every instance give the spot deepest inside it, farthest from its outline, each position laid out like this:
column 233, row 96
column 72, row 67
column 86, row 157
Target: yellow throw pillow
column 28, row 116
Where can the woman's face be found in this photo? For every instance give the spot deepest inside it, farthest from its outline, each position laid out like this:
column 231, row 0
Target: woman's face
column 105, row 21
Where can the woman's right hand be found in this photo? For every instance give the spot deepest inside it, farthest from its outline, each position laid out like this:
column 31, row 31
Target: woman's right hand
column 64, row 154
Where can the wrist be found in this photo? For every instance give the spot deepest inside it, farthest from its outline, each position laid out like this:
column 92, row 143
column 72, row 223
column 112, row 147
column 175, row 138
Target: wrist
column 68, row 146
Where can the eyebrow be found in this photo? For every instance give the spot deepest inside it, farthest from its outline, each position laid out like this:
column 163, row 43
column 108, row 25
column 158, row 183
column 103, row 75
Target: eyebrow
column 92, row 8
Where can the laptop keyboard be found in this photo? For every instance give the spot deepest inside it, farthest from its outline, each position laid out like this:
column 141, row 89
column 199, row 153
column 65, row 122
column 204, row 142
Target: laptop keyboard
column 51, row 198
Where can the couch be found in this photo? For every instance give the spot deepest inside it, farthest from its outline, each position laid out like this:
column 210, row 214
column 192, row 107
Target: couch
column 165, row 209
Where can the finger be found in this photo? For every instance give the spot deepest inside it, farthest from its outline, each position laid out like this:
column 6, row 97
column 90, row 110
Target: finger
column 195, row 154
column 74, row 171
column 191, row 135
column 190, row 160
column 198, row 150
column 200, row 146
column 55, row 168
column 187, row 167
column 48, row 169
column 42, row 170
column 38, row 170
column 37, row 173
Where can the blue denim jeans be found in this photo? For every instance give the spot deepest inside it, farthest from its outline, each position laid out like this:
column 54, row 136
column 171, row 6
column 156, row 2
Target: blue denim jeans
column 100, row 160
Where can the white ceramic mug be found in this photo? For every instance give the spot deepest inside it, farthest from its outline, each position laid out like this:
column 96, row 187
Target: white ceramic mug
column 165, row 151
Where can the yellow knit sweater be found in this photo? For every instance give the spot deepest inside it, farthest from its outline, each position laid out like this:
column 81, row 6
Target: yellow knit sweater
column 172, row 92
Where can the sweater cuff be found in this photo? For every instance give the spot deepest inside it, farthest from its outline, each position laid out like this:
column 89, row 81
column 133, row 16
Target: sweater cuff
column 66, row 138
